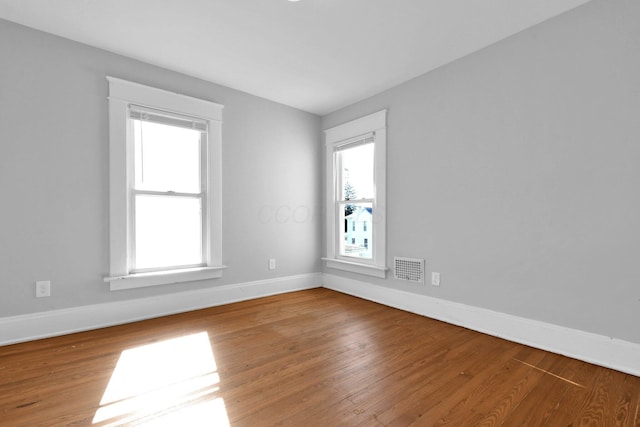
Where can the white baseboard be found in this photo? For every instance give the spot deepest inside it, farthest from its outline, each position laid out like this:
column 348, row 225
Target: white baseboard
column 29, row 327
column 601, row 350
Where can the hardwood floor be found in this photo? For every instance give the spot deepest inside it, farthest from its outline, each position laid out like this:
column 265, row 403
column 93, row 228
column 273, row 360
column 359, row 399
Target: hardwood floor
column 311, row 358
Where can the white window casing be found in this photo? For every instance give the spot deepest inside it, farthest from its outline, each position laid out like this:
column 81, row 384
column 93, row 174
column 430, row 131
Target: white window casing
column 122, row 95
column 365, row 130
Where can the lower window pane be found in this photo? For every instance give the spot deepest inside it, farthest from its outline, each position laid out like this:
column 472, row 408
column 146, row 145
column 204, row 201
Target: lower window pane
column 356, row 234
column 168, row 232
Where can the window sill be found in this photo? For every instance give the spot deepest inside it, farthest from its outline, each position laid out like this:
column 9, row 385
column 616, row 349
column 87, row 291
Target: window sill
column 356, row 267
column 141, row 280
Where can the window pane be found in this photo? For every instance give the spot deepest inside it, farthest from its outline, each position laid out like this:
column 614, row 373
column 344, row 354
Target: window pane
column 168, row 231
column 357, row 172
column 167, row 158
column 356, row 238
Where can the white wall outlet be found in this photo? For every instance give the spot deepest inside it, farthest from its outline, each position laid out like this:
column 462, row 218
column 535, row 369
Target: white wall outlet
column 43, row 289
column 435, row 279
column 272, row 263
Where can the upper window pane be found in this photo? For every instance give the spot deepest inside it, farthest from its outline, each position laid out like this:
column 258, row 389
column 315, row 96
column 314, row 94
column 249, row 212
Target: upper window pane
column 167, row 158
column 357, row 172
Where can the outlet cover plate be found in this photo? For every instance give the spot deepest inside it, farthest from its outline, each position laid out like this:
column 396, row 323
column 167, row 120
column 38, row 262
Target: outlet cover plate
column 435, row 279
column 43, row 288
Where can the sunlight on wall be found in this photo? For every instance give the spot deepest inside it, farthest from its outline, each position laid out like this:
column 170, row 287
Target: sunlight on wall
column 172, row 382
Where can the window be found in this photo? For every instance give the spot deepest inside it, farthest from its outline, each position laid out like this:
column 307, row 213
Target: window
column 165, row 213
column 355, row 182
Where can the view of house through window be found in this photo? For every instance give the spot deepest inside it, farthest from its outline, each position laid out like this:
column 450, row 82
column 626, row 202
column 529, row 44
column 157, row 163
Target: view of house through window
column 356, row 179
column 167, row 191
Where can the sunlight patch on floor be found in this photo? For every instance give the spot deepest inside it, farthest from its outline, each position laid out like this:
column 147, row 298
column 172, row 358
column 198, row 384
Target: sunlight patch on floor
column 168, row 383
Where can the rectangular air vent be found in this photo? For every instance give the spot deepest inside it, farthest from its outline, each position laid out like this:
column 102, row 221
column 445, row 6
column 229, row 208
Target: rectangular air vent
column 410, row 269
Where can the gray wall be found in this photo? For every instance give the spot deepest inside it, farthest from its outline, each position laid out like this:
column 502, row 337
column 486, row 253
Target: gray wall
column 515, row 172
column 54, row 175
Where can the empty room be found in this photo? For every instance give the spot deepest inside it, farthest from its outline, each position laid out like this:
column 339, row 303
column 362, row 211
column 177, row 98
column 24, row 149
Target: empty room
column 320, row 213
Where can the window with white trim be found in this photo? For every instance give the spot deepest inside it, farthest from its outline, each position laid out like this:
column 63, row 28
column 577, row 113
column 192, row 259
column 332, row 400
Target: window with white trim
column 356, row 193
column 165, row 187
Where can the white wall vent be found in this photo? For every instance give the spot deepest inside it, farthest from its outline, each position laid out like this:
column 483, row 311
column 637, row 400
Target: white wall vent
column 410, row 269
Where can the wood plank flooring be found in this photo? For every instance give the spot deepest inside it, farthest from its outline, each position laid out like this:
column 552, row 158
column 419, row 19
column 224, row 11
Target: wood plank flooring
column 311, row 358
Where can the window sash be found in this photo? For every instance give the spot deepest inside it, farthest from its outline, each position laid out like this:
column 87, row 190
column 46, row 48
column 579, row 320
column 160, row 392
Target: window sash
column 132, row 229
column 339, row 169
column 343, row 230
column 139, row 114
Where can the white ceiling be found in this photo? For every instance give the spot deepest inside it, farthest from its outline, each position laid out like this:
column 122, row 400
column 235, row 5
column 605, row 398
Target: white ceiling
column 315, row 55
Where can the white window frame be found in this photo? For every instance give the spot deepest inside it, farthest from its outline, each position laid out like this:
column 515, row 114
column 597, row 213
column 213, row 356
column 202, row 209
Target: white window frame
column 371, row 125
column 123, row 94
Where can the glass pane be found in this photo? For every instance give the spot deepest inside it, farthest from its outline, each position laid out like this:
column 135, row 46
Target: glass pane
column 357, row 232
column 168, row 231
column 167, row 158
column 357, row 172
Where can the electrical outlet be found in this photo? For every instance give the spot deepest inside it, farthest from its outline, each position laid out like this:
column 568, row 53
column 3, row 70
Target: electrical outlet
column 272, row 263
column 43, row 289
column 435, row 279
